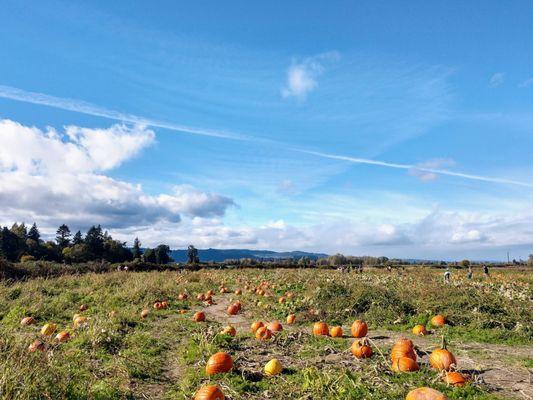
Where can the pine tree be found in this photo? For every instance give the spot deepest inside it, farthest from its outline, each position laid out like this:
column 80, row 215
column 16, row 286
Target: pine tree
column 63, row 236
column 78, row 238
column 137, row 252
column 94, row 239
column 34, row 233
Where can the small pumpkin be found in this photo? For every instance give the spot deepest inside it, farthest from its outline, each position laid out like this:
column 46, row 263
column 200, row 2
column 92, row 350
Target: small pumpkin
column 233, row 309
column 320, row 329
column 438, row 321
column 219, row 363
column 80, row 321
column 273, row 367
column 361, row 349
column 442, row 359
column 229, row 330
column 336, row 331
column 48, row 329
column 183, row 296
column 420, row 330
column 425, row 393
column 290, row 319
column 281, row 300
column 209, row 392
column 199, row 316
column 144, row 313
column 83, row 307
column 275, row 326
column 238, row 304
column 263, row 333
column 454, row 378
column 36, row 345
column 238, row 292
column 210, row 292
column 164, row 304
column 256, row 325
column 359, row 329
column 63, row 336
column 157, row 305
column 27, row 321
column 200, row 297
column 404, row 364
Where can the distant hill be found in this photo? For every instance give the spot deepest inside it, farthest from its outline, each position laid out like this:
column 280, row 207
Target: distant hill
column 221, row 255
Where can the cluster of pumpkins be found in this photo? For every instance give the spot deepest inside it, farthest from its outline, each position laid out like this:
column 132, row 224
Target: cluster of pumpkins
column 48, row 330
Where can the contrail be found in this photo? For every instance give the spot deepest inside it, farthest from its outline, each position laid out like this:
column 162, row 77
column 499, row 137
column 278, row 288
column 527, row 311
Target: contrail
column 83, row 107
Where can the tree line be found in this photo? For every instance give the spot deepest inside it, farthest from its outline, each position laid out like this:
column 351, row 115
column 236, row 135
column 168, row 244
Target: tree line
column 19, row 243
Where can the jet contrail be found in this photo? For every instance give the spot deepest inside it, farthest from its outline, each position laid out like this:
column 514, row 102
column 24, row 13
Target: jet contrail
column 82, row 107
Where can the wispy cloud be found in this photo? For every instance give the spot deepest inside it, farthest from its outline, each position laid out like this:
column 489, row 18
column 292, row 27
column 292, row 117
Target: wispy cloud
column 438, row 171
column 497, row 79
column 436, row 163
column 528, row 82
column 302, row 76
column 83, row 107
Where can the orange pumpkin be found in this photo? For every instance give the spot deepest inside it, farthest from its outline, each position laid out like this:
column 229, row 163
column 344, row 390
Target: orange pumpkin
column 404, row 364
column 290, row 319
column 238, row 292
column 275, row 326
column 420, row 330
column 454, row 378
column 263, row 333
column 229, row 330
column 438, row 321
column 199, row 316
column 164, row 304
column 219, row 363
column 403, row 348
column 238, row 304
column 289, row 295
column 200, row 297
column 425, row 393
column 209, row 392
column 144, row 313
column 27, row 321
column 281, row 300
column 36, row 345
column 336, row 331
column 210, row 292
column 182, row 296
column 233, row 309
column 359, row 329
column 256, row 325
column 442, row 360
column 157, row 305
column 80, row 321
column 63, row 336
column 361, row 349
column 320, row 329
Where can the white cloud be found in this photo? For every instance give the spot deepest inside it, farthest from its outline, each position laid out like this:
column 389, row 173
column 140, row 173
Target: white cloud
column 497, row 79
column 527, row 83
column 55, row 178
column 302, row 76
column 422, row 170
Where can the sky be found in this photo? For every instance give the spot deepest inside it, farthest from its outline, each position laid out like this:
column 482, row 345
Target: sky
column 402, row 129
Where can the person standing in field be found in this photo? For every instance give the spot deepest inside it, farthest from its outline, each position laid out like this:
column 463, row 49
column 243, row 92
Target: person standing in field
column 486, row 271
column 447, row 275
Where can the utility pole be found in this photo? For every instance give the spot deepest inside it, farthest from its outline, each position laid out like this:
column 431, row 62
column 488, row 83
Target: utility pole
column 508, row 259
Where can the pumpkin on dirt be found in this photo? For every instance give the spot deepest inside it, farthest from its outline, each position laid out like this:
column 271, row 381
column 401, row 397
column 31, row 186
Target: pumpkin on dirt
column 403, row 348
column 209, row 392
column 420, row 330
column 438, row 321
column 425, row 393
column 290, row 319
column 157, row 305
column 442, row 359
column 219, row 363
column 281, row 300
column 233, row 309
column 238, row 292
column 256, row 325
column 27, row 321
column 80, row 321
column 336, row 331
column 144, row 313
column 359, row 329
column 275, row 326
column 361, row 349
column 273, row 367
column 454, row 378
column 404, row 364
column 200, row 297
column 263, row 333
column 320, row 329
column 63, row 336
column 48, row 329
column 199, row 316
column 210, row 292
column 229, row 330
column 36, row 345
column 183, row 296
column 164, row 304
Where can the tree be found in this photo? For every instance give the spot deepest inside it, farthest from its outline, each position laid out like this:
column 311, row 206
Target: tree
column 465, row 263
column 63, row 236
column 149, row 256
column 77, row 239
column 115, row 251
column 192, row 255
column 94, row 240
column 20, row 230
column 34, row 233
column 9, row 245
column 136, row 252
column 162, row 254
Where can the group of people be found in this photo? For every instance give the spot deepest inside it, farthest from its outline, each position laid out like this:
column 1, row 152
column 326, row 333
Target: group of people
column 469, row 275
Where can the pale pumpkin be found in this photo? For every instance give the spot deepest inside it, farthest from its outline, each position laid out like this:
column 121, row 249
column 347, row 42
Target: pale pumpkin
column 144, row 313
column 48, row 329
column 273, row 367
column 27, row 321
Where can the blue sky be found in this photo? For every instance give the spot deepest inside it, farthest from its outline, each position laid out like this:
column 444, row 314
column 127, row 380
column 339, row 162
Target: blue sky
column 260, row 125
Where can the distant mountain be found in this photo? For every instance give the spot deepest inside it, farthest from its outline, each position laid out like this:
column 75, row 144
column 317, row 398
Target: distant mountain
column 221, row 255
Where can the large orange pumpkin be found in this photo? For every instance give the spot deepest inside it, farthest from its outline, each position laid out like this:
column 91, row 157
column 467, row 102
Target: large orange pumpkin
column 425, row 393
column 275, row 326
column 361, row 349
column 320, row 328
column 199, row 316
column 442, row 360
column 454, row 378
column 404, row 364
column 420, row 330
column 403, row 348
column 27, row 321
column 263, row 333
column 256, row 325
column 290, row 319
column 438, row 321
column 359, row 329
column 219, row 363
column 336, row 331
column 209, row 392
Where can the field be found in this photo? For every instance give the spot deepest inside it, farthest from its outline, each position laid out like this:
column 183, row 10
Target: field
column 116, row 354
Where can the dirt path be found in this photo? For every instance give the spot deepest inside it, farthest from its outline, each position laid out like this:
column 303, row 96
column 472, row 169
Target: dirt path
column 488, row 364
